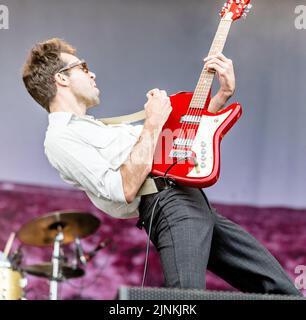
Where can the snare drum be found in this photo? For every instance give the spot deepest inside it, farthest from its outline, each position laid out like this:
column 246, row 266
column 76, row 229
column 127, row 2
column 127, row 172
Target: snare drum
column 11, row 281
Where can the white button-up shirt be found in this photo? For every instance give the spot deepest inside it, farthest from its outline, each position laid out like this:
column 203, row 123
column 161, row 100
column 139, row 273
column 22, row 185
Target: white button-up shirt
column 88, row 155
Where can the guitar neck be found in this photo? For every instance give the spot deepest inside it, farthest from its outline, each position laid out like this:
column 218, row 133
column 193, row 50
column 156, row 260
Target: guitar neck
column 206, row 78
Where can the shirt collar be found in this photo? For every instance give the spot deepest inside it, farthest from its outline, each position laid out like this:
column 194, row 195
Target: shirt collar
column 59, row 118
column 63, row 118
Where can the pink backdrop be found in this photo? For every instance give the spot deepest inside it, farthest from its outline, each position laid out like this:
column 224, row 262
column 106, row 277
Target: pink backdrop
column 281, row 230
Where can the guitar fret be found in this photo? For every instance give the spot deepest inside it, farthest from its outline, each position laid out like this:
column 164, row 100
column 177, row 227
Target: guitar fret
column 206, row 78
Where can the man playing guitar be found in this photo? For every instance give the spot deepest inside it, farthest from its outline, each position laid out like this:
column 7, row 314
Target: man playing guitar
column 110, row 163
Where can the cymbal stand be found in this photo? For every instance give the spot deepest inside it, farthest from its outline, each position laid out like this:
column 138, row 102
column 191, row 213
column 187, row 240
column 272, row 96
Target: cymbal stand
column 53, row 295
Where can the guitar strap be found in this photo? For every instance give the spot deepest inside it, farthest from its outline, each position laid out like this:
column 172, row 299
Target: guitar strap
column 128, row 118
column 149, row 186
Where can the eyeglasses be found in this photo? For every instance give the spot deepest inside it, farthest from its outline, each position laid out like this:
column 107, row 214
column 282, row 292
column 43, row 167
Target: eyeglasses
column 81, row 63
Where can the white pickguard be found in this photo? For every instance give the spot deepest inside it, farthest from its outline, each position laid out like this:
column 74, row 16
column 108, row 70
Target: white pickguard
column 203, row 144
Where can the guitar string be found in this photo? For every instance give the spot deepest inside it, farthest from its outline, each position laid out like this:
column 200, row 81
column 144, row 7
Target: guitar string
column 203, row 87
column 202, row 91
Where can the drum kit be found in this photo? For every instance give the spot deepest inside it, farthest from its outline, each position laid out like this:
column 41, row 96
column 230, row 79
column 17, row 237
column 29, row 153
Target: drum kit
column 53, row 229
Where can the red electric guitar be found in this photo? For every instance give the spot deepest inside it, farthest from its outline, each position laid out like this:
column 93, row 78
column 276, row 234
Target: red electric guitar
column 188, row 149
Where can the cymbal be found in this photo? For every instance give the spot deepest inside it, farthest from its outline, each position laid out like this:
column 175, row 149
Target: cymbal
column 45, row 270
column 43, row 230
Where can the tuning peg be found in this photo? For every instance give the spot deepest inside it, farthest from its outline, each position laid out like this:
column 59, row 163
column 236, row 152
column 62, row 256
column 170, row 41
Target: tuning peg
column 249, row 6
column 244, row 15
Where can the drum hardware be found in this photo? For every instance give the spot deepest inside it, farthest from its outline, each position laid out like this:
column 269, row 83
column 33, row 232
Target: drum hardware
column 53, row 229
column 44, row 270
column 79, row 252
column 103, row 244
column 12, row 281
column 57, row 229
column 53, row 294
column 16, row 258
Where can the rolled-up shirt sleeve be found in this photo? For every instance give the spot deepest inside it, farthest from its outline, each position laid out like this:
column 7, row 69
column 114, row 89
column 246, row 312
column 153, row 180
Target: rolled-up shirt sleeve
column 81, row 164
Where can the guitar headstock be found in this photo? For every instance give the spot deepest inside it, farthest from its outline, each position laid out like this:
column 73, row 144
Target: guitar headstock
column 235, row 9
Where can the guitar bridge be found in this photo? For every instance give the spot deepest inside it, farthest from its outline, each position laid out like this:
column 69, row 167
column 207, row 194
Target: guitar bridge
column 180, row 154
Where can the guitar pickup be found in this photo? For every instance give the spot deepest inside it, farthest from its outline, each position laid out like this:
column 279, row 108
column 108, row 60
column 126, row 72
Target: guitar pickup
column 187, row 143
column 191, row 119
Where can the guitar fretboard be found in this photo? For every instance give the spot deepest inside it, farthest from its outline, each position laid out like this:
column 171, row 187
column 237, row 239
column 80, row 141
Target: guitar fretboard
column 206, row 78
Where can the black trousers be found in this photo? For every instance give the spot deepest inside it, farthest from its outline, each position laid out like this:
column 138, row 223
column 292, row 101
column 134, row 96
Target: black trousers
column 191, row 237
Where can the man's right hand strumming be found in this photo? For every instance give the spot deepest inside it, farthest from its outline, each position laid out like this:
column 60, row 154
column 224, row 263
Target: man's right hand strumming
column 137, row 167
column 157, row 108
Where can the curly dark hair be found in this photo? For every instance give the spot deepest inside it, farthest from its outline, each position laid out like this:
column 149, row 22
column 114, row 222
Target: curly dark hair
column 43, row 62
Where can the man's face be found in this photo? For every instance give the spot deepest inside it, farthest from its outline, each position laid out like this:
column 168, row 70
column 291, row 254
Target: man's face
column 82, row 83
